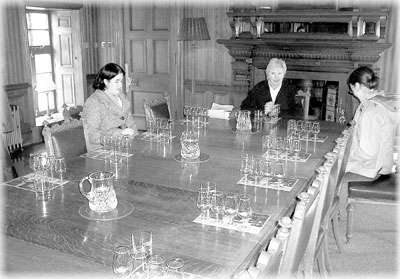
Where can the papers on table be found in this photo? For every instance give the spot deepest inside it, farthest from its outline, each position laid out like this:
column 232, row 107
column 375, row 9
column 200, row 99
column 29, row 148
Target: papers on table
column 26, row 182
column 220, row 111
column 255, row 225
column 270, row 182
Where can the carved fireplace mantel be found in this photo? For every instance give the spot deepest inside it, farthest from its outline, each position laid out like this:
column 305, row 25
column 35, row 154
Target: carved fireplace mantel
column 259, row 35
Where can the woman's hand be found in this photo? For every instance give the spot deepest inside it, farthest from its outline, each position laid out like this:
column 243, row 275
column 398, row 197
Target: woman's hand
column 268, row 107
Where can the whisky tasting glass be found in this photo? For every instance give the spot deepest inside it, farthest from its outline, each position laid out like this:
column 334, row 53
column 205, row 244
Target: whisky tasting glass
column 60, row 167
column 246, row 166
column 203, row 202
column 244, row 209
column 122, row 261
column 231, row 206
column 217, row 204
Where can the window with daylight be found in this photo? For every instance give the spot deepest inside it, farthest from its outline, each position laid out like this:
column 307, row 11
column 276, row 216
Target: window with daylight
column 41, row 54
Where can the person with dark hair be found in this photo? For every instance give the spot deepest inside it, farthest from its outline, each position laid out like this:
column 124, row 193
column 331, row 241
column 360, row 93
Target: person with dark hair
column 107, row 110
column 274, row 90
column 375, row 122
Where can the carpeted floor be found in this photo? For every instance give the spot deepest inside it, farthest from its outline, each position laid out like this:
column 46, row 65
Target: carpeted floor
column 373, row 250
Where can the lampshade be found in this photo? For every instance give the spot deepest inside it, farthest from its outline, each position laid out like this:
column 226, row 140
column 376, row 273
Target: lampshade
column 46, row 86
column 193, row 29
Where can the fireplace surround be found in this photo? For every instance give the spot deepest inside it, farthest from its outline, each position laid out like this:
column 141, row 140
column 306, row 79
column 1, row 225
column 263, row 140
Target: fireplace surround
column 326, row 52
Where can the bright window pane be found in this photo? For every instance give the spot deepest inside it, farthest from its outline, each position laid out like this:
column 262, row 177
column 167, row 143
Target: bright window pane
column 44, row 81
column 37, row 21
column 43, row 63
column 39, row 38
column 42, row 102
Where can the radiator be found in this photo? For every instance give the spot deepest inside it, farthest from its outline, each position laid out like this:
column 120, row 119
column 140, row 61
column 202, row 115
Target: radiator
column 14, row 139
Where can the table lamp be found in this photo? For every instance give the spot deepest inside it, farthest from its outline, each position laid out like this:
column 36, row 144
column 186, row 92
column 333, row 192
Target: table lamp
column 193, row 29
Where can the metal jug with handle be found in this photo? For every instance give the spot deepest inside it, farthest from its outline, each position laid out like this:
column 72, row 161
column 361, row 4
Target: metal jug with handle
column 102, row 197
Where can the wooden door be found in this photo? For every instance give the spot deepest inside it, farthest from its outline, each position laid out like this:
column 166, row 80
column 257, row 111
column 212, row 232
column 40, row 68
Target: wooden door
column 67, row 57
column 149, row 54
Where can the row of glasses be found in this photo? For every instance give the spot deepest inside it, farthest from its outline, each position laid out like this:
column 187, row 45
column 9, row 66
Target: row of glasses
column 299, row 127
column 139, row 260
column 162, row 128
column 198, row 116
column 260, row 167
column 44, row 163
column 116, row 145
column 230, row 205
column 278, row 145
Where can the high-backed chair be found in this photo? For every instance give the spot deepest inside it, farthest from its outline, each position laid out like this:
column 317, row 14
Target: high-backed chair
column 380, row 191
column 157, row 108
column 65, row 140
column 317, row 250
column 344, row 146
column 284, row 255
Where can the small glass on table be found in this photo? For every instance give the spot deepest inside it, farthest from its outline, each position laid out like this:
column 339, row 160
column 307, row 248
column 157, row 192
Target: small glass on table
column 244, row 209
column 122, row 261
column 231, row 206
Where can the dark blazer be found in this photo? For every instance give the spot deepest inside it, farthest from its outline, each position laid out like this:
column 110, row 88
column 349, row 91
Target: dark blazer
column 260, row 95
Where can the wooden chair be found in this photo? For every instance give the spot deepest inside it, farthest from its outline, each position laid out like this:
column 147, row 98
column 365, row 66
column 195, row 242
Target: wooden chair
column 157, row 108
column 380, row 191
column 285, row 252
column 65, row 140
column 343, row 145
column 317, row 250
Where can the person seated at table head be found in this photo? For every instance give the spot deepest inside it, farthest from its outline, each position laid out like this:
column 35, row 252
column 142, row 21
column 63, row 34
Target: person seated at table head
column 375, row 122
column 274, row 90
column 108, row 110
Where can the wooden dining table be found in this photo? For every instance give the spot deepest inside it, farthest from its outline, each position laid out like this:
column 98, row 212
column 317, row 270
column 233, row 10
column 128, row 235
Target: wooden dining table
column 162, row 192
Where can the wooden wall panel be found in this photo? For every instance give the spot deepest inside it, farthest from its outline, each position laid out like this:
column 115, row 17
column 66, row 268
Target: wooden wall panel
column 137, row 18
column 68, row 87
column 161, row 50
column 66, row 56
column 160, row 18
column 138, row 56
column 213, row 62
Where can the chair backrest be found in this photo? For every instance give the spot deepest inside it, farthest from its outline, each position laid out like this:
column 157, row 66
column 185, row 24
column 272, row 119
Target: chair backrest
column 344, row 154
column 285, row 252
column 327, row 185
column 157, row 108
column 65, row 140
column 304, row 219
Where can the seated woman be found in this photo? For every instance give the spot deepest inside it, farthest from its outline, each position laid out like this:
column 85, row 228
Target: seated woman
column 375, row 122
column 107, row 110
column 274, row 90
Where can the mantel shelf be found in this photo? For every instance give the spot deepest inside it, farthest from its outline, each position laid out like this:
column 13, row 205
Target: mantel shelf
column 352, row 50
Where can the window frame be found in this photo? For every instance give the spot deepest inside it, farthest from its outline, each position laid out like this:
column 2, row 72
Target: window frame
column 36, row 50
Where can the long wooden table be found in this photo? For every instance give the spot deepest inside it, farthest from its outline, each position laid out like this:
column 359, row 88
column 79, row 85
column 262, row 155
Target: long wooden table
column 163, row 192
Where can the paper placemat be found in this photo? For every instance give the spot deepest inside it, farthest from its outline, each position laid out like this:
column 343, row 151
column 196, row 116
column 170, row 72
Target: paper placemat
column 254, row 226
column 301, row 156
column 102, row 154
column 26, row 182
column 311, row 138
column 270, row 182
column 147, row 137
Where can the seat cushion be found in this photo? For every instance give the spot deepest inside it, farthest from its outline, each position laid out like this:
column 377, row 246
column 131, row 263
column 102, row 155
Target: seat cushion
column 161, row 111
column 383, row 188
column 69, row 143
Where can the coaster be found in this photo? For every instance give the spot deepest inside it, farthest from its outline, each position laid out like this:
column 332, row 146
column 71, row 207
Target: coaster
column 122, row 210
column 203, row 158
